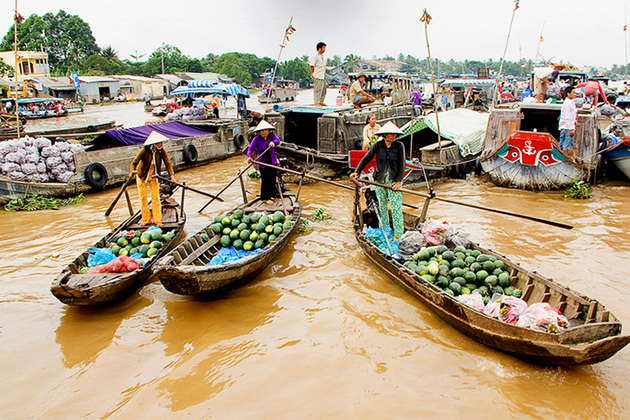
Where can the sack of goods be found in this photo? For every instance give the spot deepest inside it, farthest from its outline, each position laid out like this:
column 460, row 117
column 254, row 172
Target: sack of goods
column 38, row 160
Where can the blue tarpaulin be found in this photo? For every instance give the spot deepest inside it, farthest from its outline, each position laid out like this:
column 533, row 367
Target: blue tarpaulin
column 137, row 135
column 210, row 86
column 231, row 254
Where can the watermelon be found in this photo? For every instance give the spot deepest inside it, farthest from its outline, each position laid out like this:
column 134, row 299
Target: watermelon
column 264, row 236
column 115, row 249
column 491, row 281
column 517, row 293
column 429, row 278
column 272, row 238
column 253, row 237
column 244, row 234
column 269, row 229
column 133, row 251
column 277, row 231
column 432, row 251
column 218, row 219
column 225, row 241
column 499, row 264
column 504, row 279
column 135, row 241
column 481, row 275
column 289, row 218
column 238, row 244
column 260, row 227
column 226, row 221
column 255, row 217
column 442, row 281
column 170, row 235
column 460, row 280
column 423, row 255
column 227, row 230
column 259, row 244
column 151, row 252
column 238, row 214
column 248, row 246
column 482, row 258
column 242, row 226
column 469, row 260
column 448, row 255
column 459, row 248
column 475, row 253
column 122, row 242
column 235, row 223
column 156, row 244
column 247, row 220
column 287, row 225
column 455, row 287
column 278, row 217
column 217, row 228
column 235, row 234
column 144, row 249
column 488, row 266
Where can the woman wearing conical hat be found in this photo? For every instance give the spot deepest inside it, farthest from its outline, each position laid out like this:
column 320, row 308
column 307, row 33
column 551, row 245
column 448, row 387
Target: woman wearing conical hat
column 148, row 162
column 390, row 169
column 265, row 139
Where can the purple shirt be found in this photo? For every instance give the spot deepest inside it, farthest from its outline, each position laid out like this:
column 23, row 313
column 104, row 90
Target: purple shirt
column 259, row 144
column 416, row 98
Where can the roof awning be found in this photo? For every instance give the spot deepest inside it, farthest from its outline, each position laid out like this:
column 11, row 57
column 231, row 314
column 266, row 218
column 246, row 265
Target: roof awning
column 210, row 86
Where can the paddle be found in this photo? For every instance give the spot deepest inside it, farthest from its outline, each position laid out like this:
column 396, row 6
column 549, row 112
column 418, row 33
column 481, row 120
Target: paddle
column 120, row 193
column 161, row 178
column 232, row 181
column 474, row 206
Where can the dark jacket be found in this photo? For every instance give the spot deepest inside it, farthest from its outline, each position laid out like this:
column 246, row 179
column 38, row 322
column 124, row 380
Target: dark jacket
column 392, row 158
column 142, row 162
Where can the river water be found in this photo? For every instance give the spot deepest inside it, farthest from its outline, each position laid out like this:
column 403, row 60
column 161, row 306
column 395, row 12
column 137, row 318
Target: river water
column 321, row 333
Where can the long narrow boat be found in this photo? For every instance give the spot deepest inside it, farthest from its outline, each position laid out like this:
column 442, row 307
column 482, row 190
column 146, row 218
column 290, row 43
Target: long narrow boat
column 74, row 288
column 593, row 336
column 184, row 270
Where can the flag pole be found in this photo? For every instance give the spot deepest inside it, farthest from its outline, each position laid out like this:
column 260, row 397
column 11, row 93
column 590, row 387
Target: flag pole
column 289, row 31
column 16, row 19
column 507, row 41
column 426, row 18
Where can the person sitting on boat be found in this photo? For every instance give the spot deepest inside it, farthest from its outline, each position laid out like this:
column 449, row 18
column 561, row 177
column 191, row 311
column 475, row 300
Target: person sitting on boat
column 265, row 139
column 390, row 169
column 148, row 162
column 543, row 76
column 568, row 116
column 357, row 95
column 369, row 132
column 147, row 99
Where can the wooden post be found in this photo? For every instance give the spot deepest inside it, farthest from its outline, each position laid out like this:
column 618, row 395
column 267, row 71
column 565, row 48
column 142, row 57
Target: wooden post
column 357, row 204
column 425, row 209
column 297, row 195
column 181, row 216
column 129, row 203
column 240, row 177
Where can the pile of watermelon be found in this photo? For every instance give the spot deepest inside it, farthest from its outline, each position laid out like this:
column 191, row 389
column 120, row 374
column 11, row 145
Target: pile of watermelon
column 147, row 243
column 462, row 271
column 249, row 232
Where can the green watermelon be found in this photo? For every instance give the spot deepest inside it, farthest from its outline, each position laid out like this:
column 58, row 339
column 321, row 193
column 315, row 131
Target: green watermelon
column 122, row 242
column 488, row 266
column 170, row 235
column 227, row 230
column 481, row 275
column 253, row 237
column 151, row 252
column 244, row 234
column 144, row 249
column 287, row 225
column 288, row 218
column 204, row 237
column 115, row 249
column 225, row 241
column 278, row 217
column 156, row 244
column 247, row 220
column 259, row 244
column 235, row 223
column 238, row 214
column 517, row 293
column 156, row 235
column 133, row 251
column 226, row 222
column 459, row 249
column 272, row 238
column 441, row 249
column 242, row 226
column 448, row 255
column 248, row 246
column 491, row 281
column 460, row 280
column 217, row 228
column 264, row 236
column 238, row 244
column 219, row 219
column 277, row 231
column 504, row 279
column 269, row 229
column 255, row 217
column 265, row 220
column 135, row 241
column 455, row 287
column 235, row 234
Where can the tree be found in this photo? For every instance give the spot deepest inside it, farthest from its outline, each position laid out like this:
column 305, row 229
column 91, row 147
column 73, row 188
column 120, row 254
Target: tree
column 351, row 63
column 334, row 62
column 5, row 69
column 242, row 67
column 296, row 70
column 67, row 39
column 174, row 61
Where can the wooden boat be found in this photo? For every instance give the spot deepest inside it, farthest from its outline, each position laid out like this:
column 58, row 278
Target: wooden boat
column 106, row 162
column 73, row 288
column 184, row 270
column 594, row 334
column 521, row 148
column 86, row 130
column 620, row 156
column 283, row 91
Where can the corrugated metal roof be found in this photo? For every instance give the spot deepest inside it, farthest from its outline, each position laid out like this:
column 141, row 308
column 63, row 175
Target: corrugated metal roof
column 96, row 79
column 138, row 78
column 55, row 83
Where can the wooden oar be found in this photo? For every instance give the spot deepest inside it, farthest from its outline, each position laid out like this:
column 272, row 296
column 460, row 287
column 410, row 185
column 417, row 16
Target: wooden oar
column 186, row 187
column 474, row 206
column 120, row 193
column 234, row 180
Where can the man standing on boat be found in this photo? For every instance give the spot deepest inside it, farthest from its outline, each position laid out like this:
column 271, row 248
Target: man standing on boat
column 568, row 115
column 318, row 73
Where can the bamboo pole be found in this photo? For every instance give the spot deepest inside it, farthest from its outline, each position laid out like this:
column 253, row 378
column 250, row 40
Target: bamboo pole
column 282, row 46
column 15, row 67
column 507, row 41
column 426, row 18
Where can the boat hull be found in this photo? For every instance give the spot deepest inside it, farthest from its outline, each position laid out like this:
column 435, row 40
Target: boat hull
column 73, row 288
column 195, row 278
column 620, row 156
column 590, row 340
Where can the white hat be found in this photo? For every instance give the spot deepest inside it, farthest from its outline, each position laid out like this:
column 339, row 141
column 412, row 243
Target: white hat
column 390, row 128
column 154, row 138
column 264, row 125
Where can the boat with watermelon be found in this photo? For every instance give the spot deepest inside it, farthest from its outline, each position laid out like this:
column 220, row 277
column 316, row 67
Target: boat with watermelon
column 521, row 148
column 256, row 238
column 73, row 286
column 590, row 335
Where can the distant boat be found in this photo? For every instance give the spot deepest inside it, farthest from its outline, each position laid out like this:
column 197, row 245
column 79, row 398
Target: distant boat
column 36, row 108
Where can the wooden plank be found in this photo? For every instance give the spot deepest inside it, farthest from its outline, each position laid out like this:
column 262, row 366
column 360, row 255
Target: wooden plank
column 197, row 252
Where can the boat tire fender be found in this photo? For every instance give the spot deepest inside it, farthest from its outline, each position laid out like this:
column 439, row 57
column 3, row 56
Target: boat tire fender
column 478, row 168
column 90, row 128
column 239, row 141
column 190, row 154
column 96, row 175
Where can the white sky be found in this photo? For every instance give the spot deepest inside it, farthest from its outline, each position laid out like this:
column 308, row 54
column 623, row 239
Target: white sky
column 583, row 32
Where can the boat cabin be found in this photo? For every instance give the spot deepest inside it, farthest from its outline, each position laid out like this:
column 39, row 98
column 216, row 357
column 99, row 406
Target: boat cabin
column 475, row 94
column 397, row 85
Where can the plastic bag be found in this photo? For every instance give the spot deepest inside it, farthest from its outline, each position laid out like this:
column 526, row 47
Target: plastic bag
column 607, row 110
column 231, row 254
column 411, row 242
column 510, row 308
column 493, row 306
column 122, row 264
column 459, row 237
column 376, row 236
column 436, row 231
column 100, row 256
column 474, row 300
column 543, row 317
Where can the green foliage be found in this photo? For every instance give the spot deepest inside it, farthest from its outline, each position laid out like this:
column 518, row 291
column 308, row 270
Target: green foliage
column 296, row 70
column 5, row 69
column 174, row 61
column 351, row 63
column 579, row 190
column 303, row 228
column 67, row 38
column 38, row 202
column 242, row 67
column 253, row 175
column 320, row 215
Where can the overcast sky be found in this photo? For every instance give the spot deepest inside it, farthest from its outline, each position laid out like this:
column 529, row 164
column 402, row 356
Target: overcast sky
column 583, row 32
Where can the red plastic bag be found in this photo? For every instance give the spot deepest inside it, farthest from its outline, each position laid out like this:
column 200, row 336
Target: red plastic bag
column 543, row 317
column 122, row 264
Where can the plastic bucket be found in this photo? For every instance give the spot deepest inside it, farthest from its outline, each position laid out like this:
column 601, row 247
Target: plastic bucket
column 339, row 100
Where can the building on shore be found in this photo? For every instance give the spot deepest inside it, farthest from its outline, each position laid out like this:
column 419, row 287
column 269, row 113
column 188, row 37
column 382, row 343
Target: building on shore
column 93, row 89
column 30, row 63
column 139, row 86
column 54, row 87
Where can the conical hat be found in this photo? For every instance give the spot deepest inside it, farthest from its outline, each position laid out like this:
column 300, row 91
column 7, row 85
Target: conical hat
column 264, row 125
column 389, row 128
column 154, row 138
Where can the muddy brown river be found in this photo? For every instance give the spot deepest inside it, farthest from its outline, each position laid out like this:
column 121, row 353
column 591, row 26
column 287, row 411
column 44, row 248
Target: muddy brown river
column 321, row 333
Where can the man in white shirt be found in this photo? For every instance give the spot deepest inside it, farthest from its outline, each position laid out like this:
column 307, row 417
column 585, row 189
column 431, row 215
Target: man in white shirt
column 318, row 73
column 568, row 115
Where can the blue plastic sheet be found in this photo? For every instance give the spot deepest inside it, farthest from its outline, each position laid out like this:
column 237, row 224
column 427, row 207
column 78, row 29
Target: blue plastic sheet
column 231, row 254
column 376, row 237
column 100, row 256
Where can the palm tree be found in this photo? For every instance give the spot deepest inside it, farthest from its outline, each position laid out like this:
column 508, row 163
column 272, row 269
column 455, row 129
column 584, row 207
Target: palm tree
column 109, row 53
column 351, row 63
